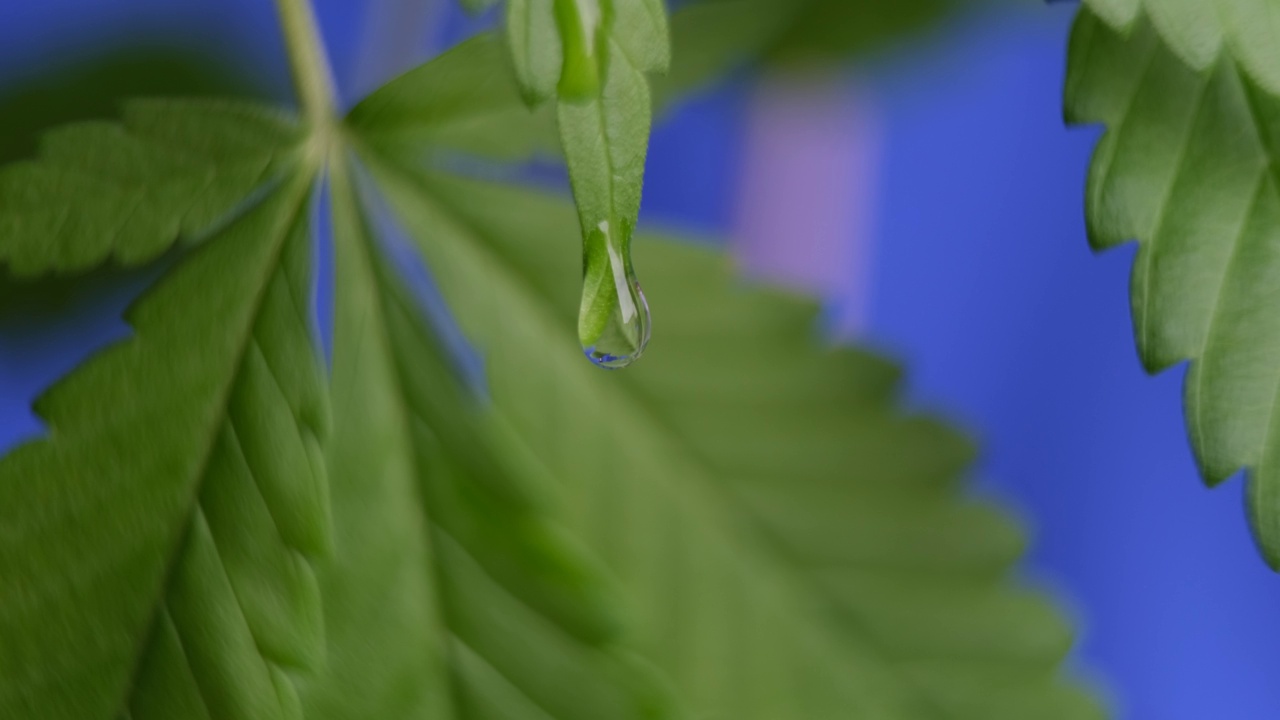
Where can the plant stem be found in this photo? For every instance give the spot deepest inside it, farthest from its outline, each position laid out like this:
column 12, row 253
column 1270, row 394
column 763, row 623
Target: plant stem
column 312, row 78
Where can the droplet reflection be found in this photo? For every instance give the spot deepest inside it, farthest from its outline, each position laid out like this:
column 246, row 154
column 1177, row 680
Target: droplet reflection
column 614, row 321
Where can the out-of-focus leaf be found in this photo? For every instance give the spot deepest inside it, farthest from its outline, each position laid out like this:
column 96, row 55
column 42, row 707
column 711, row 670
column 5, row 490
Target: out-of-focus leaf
column 155, row 547
column 835, row 29
column 465, row 100
column 605, row 140
column 128, row 190
column 1188, row 168
column 453, row 593
column 93, row 86
column 477, row 6
column 792, row 544
column 713, row 37
column 89, row 87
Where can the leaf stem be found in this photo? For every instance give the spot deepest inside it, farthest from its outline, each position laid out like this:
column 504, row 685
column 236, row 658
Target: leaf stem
column 312, row 77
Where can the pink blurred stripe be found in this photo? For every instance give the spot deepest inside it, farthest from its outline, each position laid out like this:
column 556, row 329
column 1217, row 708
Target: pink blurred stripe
column 805, row 207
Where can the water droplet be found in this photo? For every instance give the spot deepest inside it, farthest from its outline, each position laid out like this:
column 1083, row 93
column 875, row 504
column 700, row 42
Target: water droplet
column 614, row 322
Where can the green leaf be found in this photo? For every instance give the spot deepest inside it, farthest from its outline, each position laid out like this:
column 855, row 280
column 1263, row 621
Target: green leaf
column 553, row 549
column 604, row 117
column 386, row 653
column 714, row 37
column 642, row 33
column 711, row 39
column 1187, row 167
column 1199, row 32
column 126, row 191
column 536, row 50
column 561, row 46
column 156, row 546
column 605, row 143
column 792, row 545
column 94, row 85
column 464, row 100
column 606, row 47
column 583, row 34
column 834, row 29
column 478, row 6
column 453, row 592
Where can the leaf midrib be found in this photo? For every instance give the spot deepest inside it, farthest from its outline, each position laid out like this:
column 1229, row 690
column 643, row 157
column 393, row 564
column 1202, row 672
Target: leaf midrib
column 303, row 182
column 669, row 436
column 411, row 412
column 372, row 263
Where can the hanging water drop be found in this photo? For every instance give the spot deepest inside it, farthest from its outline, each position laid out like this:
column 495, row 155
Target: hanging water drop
column 613, row 323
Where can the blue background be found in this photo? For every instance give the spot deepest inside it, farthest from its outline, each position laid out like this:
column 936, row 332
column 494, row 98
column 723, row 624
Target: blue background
column 982, row 280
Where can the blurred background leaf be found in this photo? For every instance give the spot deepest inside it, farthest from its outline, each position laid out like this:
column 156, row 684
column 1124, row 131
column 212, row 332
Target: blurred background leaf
column 452, row 592
column 711, row 38
column 789, row 542
column 93, row 85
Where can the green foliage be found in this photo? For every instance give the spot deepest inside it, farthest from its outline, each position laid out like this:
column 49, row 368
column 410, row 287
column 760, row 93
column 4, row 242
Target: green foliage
column 463, row 101
column 605, row 143
column 535, row 46
column 714, row 37
column 605, row 50
column 1187, row 168
column 387, row 651
column 128, row 190
column 92, row 87
column 452, row 543
column 1200, row 32
column 791, row 545
column 156, row 543
column 745, row 527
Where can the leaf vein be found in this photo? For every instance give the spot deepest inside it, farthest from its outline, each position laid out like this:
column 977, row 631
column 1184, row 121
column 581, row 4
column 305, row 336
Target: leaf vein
column 176, row 554
column 1144, row 291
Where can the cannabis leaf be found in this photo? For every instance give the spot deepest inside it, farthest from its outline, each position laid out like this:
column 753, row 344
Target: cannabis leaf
column 1187, row 167
column 204, row 546
column 154, row 548
column 94, row 86
column 477, row 604
column 166, row 550
column 128, row 190
column 1200, row 32
column 790, row 544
